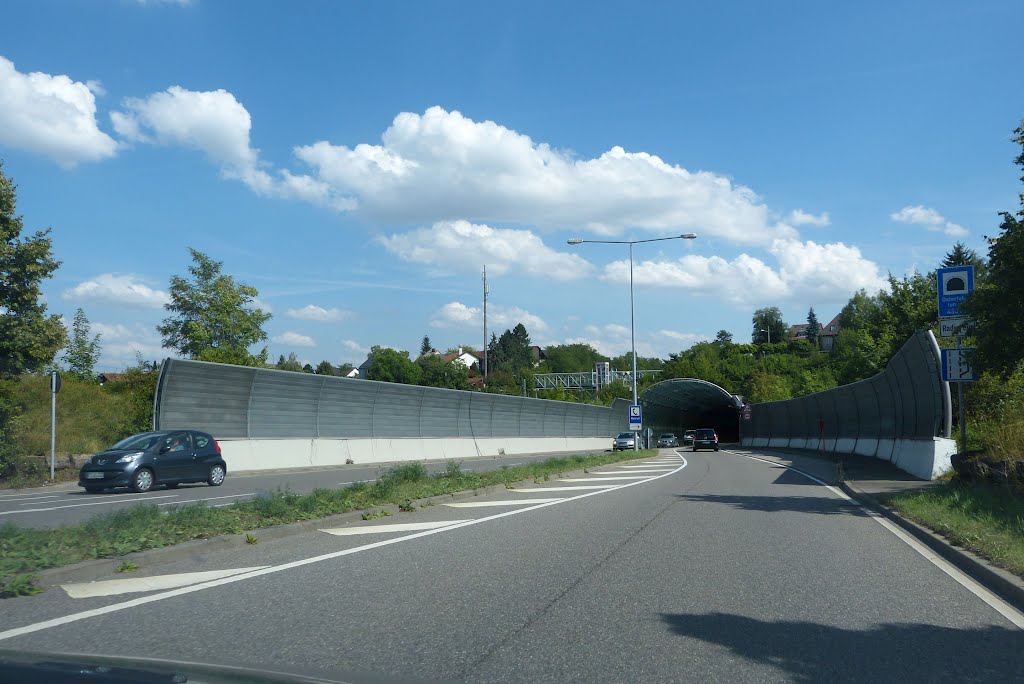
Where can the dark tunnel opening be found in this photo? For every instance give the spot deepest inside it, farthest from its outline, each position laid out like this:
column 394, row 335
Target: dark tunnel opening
column 687, row 403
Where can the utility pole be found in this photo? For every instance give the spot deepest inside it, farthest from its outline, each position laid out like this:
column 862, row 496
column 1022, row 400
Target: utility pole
column 487, row 291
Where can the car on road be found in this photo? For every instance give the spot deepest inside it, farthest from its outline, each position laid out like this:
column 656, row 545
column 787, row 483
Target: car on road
column 688, row 437
column 623, row 441
column 164, row 457
column 668, row 440
column 705, row 438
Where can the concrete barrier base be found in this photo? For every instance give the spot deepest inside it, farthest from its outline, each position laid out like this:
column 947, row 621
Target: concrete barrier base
column 926, row 459
column 271, row 454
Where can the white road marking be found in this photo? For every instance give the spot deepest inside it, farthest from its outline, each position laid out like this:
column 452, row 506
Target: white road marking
column 12, row 497
column 395, row 527
column 534, row 490
column 182, row 591
column 509, row 502
column 653, row 466
column 131, row 585
column 966, row 581
column 43, row 499
column 629, row 472
column 355, row 482
column 209, row 498
column 603, row 479
column 93, row 503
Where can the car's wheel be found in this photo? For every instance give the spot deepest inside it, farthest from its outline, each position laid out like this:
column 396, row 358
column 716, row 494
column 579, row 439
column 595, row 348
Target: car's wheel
column 693, row 449
column 93, row 490
column 142, row 480
column 172, row 485
column 216, row 478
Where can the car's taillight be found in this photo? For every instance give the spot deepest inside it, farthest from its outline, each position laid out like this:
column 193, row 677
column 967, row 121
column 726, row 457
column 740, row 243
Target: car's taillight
column 217, row 444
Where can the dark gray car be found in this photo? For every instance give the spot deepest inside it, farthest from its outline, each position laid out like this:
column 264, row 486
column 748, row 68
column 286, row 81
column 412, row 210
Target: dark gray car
column 167, row 457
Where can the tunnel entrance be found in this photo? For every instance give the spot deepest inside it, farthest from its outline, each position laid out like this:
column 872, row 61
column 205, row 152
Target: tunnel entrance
column 687, row 404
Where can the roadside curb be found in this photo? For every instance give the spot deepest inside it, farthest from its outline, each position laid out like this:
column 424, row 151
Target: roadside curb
column 1004, row 584
column 106, row 568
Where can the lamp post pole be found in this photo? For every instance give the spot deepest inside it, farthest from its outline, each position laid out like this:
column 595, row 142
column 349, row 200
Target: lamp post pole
column 632, row 318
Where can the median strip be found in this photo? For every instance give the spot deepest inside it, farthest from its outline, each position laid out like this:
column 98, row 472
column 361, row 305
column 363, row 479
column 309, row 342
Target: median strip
column 24, row 551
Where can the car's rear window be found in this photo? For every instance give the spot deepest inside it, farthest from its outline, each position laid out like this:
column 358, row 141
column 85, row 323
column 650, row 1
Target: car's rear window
column 667, row 435
column 705, row 434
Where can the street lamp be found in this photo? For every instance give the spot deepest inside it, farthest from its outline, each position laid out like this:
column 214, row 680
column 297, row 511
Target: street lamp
column 632, row 327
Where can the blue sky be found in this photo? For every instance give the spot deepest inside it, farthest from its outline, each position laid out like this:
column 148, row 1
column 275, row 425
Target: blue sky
column 361, row 163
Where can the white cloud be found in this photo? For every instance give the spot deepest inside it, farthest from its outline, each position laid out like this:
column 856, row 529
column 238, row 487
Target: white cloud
column 443, row 166
column 353, row 346
column 826, row 272
column 458, row 315
column 52, row 115
column 929, row 218
column 464, row 246
column 312, row 312
column 294, row 339
column 119, row 343
column 799, row 217
column 117, row 289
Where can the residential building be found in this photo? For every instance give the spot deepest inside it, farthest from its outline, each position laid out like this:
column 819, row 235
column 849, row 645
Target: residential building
column 827, row 336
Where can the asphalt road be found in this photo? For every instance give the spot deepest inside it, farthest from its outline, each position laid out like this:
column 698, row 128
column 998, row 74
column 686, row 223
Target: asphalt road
column 66, row 504
column 700, row 567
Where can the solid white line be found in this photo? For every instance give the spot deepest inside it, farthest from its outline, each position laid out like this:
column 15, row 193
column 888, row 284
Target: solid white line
column 509, row 502
column 355, row 482
column 94, row 503
column 209, row 498
column 152, row 598
column 395, row 527
column 12, row 497
column 966, row 581
column 645, row 467
column 603, row 479
column 131, row 585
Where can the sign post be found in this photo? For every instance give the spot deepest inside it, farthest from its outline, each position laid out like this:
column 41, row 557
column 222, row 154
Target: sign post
column 955, row 285
column 54, row 388
column 635, row 423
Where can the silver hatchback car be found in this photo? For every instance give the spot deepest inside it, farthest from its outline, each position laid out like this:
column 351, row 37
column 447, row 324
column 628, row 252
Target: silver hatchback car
column 623, row 441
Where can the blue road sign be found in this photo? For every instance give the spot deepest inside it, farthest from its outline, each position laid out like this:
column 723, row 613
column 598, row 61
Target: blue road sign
column 635, row 417
column 954, row 285
column 956, row 365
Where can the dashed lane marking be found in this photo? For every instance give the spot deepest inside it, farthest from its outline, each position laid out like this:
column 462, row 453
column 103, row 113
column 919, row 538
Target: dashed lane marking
column 155, row 583
column 396, row 527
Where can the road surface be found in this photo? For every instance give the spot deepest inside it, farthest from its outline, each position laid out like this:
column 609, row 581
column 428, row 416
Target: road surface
column 690, row 567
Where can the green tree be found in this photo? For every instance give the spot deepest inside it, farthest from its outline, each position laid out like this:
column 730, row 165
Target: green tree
column 625, row 362
column 214, row 318
column 996, row 305
column 857, row 355
column 425, row 346
column 29, row 338
column 326, row 368
column 765, row 386
column 511, row 351
column 390, row 365
column 723, row 338
column 768, row 325
column 578, row 357
column 83, row 351
column 909, row 305
column 344, row 369
column 307, row 368
column 289, row 364
column 960, row 255
column 439, row 373
column 813, row 327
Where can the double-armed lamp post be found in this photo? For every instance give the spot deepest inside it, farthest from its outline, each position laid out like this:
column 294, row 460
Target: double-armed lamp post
column 632, row 330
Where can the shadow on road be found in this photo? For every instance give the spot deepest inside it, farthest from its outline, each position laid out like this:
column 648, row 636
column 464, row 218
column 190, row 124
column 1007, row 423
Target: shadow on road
column 821, row 505
column 810, row 652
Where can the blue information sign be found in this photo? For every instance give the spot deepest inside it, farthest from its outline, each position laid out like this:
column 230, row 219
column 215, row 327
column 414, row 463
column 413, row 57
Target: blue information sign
column 954, row 285
column 635, row 417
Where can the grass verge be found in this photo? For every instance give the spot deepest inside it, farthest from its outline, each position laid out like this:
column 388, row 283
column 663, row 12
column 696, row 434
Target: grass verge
column 24, row 551
column 987, row 519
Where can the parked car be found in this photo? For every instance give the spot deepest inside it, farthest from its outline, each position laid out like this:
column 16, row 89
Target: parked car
column 623, row 441
column 688, row 437
column 167, row 457
column 668, row 440
column 705, row 438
